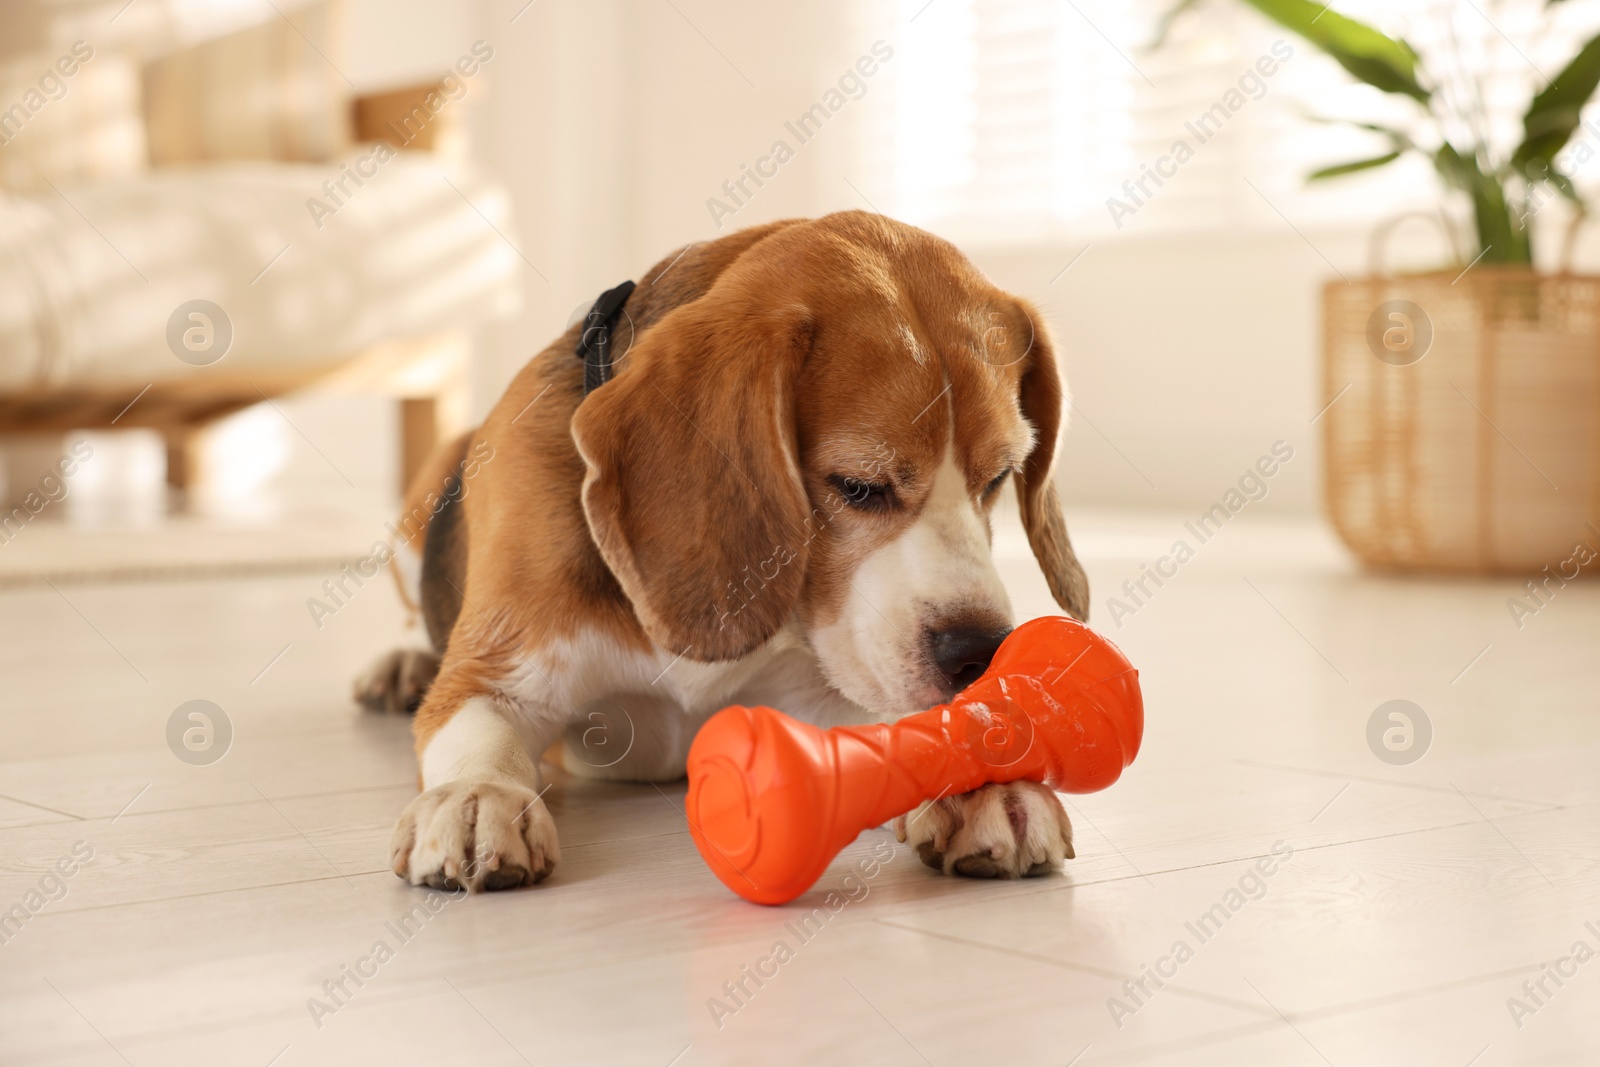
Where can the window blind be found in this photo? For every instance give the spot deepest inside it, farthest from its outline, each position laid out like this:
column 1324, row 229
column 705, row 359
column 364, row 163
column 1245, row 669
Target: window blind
column 1020, row 120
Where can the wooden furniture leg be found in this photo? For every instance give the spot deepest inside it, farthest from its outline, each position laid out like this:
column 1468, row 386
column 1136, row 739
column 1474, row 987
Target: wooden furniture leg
column 185, row 457
column 419, row 435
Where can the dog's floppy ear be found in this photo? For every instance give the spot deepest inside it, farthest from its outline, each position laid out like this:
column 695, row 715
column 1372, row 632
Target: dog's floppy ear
column 693, row 490
column 1042, row 399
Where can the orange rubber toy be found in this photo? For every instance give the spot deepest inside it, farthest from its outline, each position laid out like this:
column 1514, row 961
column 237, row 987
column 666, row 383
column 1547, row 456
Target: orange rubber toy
column 772, row 800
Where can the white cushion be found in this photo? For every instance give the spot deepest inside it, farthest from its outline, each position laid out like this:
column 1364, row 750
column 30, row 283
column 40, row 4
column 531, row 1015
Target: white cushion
column 89, row 278
column 81, row 126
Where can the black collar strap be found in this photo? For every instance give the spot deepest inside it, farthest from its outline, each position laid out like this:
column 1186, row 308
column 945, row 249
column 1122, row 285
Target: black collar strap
column 594, row 344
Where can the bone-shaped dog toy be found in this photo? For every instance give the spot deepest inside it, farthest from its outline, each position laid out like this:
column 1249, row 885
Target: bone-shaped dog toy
column 772, row 800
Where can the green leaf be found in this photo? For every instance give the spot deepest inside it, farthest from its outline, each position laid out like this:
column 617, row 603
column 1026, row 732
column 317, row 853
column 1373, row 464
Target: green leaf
column 1553, row 114
column 1456, row 171
column 1380, row 61
column 1500, row 238
column 1564, row 185
column 1351, row 168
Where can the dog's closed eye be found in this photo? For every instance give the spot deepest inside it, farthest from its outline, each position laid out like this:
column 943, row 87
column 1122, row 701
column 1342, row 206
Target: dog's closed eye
column 994, row 486
column 863, row 495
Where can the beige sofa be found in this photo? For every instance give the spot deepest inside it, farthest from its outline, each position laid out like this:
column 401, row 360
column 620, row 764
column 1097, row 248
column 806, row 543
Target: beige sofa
column 183, row 152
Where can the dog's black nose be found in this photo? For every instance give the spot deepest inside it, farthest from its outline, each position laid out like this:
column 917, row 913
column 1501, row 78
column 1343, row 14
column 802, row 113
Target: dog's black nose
column 963, row 654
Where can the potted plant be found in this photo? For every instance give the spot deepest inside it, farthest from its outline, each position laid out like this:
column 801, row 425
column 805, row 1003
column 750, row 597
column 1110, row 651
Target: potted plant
column 1462, row 425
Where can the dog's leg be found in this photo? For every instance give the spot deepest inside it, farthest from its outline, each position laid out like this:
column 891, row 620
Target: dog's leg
column 480, row 822
column 997, row 831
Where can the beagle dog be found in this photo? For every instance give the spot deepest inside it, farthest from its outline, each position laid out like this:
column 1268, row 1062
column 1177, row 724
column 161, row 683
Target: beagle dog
column 781, row 497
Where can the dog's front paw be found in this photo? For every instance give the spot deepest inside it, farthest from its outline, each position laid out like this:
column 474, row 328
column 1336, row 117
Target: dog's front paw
column 475, row 835
column 1012, row 830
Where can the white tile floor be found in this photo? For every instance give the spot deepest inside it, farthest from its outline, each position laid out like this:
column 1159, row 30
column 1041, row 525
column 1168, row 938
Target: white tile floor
column 1416, row 902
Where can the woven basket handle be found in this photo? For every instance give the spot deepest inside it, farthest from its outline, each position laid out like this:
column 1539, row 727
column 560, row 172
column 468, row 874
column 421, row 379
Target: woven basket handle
column 1379, row 242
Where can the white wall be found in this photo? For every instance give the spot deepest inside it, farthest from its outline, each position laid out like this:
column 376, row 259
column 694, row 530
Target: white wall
column 1187, row 358
column 555, row 129
column 394, row 43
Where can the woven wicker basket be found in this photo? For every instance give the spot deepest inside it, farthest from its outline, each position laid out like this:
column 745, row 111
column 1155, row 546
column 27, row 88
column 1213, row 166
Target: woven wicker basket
column 1476, row 449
